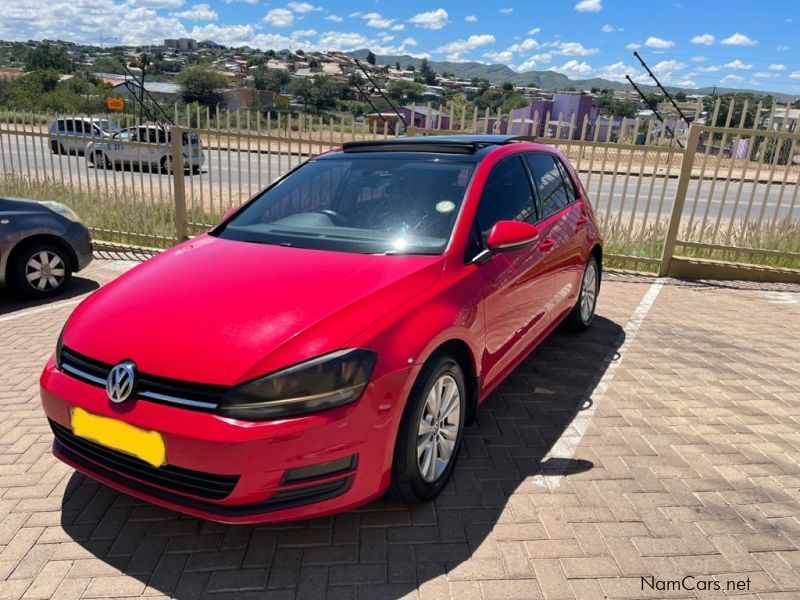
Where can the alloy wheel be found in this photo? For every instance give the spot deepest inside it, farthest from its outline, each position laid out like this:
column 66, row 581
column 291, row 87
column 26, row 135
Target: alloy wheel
column 438, row 428
column 45, row 270
column 589, row 291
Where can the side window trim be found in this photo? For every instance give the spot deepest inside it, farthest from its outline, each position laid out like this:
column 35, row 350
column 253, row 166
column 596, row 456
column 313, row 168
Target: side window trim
column 539, row 200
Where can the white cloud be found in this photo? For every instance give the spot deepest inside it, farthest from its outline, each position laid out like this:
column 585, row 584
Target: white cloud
column 280, row 17
column 794, row 75
column 471, row 19
column 534, row 61
column 242, row 1
column 506, row 11
column 589, row 6
column 618, row 71
column 303, row 7
column 765, row 75
column 504, row 57
column 667, row 69
column 377, row 21
column 455, row 49
column 777, row 67
column 572, row 49
column 611, row 29
column 573, row 68
column 337, row 40
column 698, row 58
column 434, row 19
column 633, row 46
column 737, row 64
column 198, row 12
column 706, row 39
column 731, row 79
column 738, row 39
column 534, row 31
column 525, row 45
column 708, row 69
column 782, row 48
column 659, row 43
column 334, row 18
column 301, row 33
column 143, row 4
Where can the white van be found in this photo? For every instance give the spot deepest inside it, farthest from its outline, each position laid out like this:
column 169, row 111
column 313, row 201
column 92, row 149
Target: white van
column 71, row 134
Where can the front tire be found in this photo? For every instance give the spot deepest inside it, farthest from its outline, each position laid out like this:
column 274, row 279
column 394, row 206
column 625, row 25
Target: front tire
column 40, row 271
column 167, row 165
column 430, row 433
column 582, row 314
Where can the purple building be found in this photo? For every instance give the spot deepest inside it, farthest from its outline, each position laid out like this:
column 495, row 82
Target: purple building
column 566, row 108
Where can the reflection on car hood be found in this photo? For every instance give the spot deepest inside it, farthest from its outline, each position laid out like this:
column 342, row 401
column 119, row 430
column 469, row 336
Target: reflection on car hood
column 220, row 311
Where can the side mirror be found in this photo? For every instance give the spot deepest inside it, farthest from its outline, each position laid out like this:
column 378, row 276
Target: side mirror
column 228, row 213
column 510, row 235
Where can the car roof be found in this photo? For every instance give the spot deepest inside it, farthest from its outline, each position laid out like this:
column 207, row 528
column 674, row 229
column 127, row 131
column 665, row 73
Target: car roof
column 470, row 147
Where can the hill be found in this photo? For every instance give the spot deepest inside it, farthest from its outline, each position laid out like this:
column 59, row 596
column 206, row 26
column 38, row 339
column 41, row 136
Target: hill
column 549, row 80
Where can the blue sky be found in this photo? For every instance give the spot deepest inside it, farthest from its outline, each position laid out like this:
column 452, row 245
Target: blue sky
column 732, row 43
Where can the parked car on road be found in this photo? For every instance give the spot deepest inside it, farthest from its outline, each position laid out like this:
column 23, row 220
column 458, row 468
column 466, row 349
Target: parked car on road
column 41, row 245
column 331, row 338
column 145, row 146
column 71, row 134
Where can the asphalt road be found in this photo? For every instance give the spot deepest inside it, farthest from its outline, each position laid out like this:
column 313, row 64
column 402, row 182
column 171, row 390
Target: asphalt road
column 229, row 177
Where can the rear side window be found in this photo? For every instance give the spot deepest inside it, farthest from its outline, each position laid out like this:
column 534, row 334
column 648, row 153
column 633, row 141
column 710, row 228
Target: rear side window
column 78, row 126
column 506, row 196
column 553, row 192
column 70, row 125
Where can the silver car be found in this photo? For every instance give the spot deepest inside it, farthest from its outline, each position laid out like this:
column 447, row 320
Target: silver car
column 145, row 146
column 41, row 245
column 71, row 134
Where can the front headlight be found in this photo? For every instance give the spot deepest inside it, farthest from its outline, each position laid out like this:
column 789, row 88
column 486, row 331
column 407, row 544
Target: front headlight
column 324, row 382
column 63, row 210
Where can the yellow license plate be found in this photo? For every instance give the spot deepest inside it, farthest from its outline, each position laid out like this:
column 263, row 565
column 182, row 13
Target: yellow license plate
column 146, row 445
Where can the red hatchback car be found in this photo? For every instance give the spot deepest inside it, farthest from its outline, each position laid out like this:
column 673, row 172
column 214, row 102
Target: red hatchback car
column 331, row 338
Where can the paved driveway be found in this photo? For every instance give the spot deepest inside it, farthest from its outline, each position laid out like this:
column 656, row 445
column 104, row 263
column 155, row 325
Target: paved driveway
column 664, row 443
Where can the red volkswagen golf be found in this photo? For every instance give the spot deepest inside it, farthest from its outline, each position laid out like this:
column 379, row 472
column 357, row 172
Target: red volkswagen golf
column 331, row 338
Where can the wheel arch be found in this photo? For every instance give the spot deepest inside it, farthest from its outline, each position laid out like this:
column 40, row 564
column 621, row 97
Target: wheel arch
column 460, row 351
column 40, row 239
column 597, row 252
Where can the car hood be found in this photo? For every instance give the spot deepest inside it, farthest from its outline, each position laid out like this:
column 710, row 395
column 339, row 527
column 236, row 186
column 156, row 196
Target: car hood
column 222, row 312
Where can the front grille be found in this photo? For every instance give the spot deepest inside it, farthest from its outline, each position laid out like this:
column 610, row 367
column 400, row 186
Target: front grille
column 149, row 387
column 177, row 479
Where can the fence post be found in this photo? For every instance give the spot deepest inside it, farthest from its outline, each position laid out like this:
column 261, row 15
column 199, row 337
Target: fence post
column 680, row 199
column 178, row 183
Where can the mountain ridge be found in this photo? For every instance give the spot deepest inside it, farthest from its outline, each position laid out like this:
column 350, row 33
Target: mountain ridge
column 497, row 73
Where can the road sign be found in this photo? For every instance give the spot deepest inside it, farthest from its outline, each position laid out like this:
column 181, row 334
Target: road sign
column 115, row 103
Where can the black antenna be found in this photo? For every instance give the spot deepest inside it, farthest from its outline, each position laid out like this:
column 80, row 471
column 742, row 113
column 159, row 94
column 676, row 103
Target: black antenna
column 377, row 87
column 164, row 115
column 661, row 87
column 366, row 97
column 654, row 107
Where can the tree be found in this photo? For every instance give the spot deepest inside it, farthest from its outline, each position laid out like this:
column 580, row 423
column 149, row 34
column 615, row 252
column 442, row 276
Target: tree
column 397, row 65
column 47, row 57
column 370, row 57
column 404, row 91
column 427, row 72
column 270, row 79
column 613, row 107
column 680, row 96
column 201, row 84
column 108, row 64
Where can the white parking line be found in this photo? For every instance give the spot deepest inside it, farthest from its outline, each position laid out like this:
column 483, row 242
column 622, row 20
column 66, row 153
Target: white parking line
column 33, row 311
column 565, row 447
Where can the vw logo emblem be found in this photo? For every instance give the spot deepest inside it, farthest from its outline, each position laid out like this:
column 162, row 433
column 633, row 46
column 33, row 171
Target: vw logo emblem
column 120, row 381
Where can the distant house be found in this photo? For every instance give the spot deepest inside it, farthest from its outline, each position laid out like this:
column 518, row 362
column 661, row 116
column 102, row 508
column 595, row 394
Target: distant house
column 182, row 44
column 244, row 98
column 11, row 74
column 541, row 114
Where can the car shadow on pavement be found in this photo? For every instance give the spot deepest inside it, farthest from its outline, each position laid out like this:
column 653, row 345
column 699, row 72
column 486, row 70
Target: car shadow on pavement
column 385, row 549
column 10, row 303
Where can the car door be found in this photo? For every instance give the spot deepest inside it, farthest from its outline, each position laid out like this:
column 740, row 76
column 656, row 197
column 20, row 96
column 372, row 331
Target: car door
column 558, row 227
column 518, row 288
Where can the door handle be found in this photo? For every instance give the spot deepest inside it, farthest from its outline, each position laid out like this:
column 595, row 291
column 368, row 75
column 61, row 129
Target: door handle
column 547, row 244
column 581, row 221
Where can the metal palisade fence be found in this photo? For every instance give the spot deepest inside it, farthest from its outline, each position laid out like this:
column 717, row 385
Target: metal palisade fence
column 670, row 198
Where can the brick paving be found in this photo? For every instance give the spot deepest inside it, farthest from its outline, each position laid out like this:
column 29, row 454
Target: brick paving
column 684, row 453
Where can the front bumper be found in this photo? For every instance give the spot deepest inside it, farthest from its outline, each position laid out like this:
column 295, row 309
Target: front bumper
column 81, row 241
column 257, row 456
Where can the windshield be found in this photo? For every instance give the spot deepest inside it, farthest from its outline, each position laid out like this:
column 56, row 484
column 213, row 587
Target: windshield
column 366, row 205
column 108, row 126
